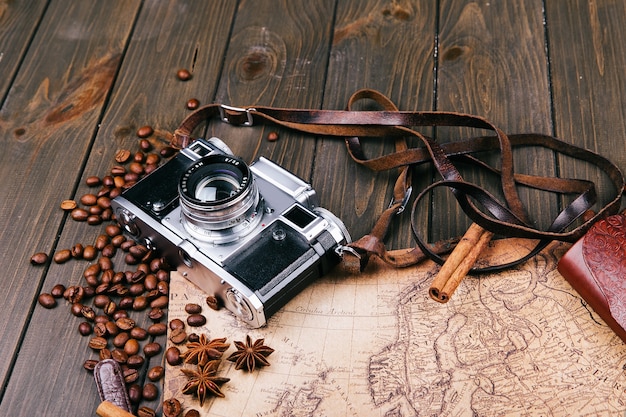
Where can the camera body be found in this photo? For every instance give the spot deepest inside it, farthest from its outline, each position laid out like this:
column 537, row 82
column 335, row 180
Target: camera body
column 252, row 236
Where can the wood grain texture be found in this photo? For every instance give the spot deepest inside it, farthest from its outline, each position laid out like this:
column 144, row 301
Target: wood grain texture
column 492, row 63
column 588, row 57
column 79, row 78
column 157, row 49
column 365, row 33
column 54, row 104
column 277, row 56
column 18, row 23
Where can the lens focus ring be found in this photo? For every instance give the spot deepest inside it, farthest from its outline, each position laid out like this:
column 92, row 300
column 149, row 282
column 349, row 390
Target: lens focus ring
column 218, row 197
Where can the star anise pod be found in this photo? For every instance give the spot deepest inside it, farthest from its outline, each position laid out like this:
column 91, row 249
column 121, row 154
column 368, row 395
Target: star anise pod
column 204, row 381
column 204, row 350
column 250, row 355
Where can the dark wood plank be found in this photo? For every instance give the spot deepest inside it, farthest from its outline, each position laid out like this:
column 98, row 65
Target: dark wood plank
column 387, row 47
column 146, row 92
column 588, row 57
column 54, row 104
column 492, row 64
column 18, row 23
column 277, row 56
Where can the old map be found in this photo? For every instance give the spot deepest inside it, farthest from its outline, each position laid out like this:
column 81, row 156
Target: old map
column 520, row 343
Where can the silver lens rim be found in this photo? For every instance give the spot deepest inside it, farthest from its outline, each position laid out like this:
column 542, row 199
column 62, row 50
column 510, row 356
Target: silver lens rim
column 222, row 218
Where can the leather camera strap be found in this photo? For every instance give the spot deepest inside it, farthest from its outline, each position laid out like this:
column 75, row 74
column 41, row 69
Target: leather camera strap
column 508, row 219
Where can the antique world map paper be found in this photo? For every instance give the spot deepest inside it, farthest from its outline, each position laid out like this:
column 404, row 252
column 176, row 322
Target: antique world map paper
column 518, row 343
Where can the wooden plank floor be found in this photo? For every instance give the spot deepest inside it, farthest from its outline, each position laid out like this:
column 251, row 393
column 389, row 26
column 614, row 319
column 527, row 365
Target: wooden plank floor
column 78, row 78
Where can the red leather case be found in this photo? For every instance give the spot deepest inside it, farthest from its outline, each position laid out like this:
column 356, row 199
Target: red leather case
column 596, row 267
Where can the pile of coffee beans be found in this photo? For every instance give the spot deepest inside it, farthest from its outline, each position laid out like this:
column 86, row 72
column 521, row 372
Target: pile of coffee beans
column 111, row 295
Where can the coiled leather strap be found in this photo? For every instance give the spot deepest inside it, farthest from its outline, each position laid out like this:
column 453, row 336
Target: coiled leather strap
column 508, row 218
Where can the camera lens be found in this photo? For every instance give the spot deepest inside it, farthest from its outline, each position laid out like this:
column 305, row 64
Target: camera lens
column 219, row 199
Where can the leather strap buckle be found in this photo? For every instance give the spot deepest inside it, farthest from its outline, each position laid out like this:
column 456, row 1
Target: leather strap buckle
column 403, row 203
column 234, row 115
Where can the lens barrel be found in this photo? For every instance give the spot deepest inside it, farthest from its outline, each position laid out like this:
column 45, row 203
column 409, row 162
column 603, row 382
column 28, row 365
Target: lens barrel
column 219, row 199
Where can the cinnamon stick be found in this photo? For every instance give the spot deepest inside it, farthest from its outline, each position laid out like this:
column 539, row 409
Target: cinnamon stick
column 458, row 264
column 108, row 409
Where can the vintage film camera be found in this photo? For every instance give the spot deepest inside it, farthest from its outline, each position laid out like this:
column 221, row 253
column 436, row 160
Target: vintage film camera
column 252, row 236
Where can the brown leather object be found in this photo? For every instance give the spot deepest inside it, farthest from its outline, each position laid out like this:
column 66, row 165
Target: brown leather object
column 596, row 267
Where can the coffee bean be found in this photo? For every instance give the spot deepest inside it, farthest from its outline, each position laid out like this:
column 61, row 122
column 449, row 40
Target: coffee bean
column 110, row 308
column 107, row 180
column 40, row 258
column 172, row 407
column 145, row 145
column 90, row 253
column 176, row 324
column 156, row 314
column 139, row 333
column 109, row 251
column 152, row 159
column 193, row 308
column 193, row 337
column 157, row 329
column 105, row 262
column 62, row 256
column 115, row 191
column 94, row 211
column 130, row 375
column 167, row 151
column 151, row 349
column 140, row 303
column 93, row 181
column 100, row 329
column 145, row 131
column 150, row 391
column 112, row 328
column 121, row 156
column 178, row 336
column 97, row 343
column 78, row 214
column 94, row 220
column 90, row 364
column 160, row 302
column 77, row 251
column 93, row 269
column 118, row 240
column 155, row 373
column 113, row 230
column 192, row 413
column 68, row 205
column 196, row 320
column 120, row 339
column 74, row 294
column 125, row 323
column 119, row 356
column 119, row 314
column 104, row 203
column 88, row 313
column 117, row 171
column 92, row 281
column 57, row 291
column 47, row 300
column 134, row 395
column 213, row 302
column 183, row 74
column 272, row 136
column 89, row 199
column 163, row 287
column 104, row 354
column 146, row 412
column 135, row 361
column 193, row 103
column 89, row 292
column 136, row 168
column 172, row 356
column 101, row 242
column 163, row 275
